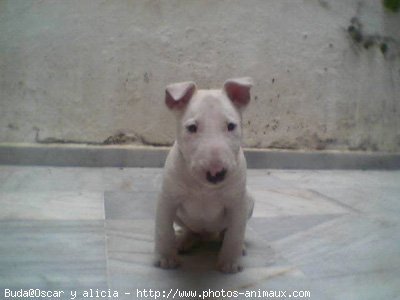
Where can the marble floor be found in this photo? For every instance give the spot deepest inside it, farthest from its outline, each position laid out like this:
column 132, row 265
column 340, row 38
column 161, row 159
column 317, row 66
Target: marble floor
column 88, row 233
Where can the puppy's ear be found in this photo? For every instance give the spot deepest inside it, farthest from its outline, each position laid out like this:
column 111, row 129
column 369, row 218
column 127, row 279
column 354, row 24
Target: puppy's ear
column 238, row 90
column 177, row 95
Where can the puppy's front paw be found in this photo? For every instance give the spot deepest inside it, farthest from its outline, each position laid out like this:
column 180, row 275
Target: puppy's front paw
column 229, row 266
column 166, row 261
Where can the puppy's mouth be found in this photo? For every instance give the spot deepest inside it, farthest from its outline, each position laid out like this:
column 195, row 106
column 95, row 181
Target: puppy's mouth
column 217, row 177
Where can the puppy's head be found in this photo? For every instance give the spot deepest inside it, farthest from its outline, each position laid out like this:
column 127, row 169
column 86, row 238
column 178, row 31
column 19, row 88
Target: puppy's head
column 209, row 127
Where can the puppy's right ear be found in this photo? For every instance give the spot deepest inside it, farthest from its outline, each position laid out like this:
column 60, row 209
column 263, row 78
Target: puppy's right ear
column 177, row 95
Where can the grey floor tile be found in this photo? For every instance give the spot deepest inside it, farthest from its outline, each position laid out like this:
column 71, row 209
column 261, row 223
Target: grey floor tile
column 276, row 228
column 132, row 179
column 20, row 179
column 62, row 205
column 52, row 254
column 130, row 205
column 370, row 200
column 343, row 246
column 372, row 285
column 130, row 257
column 289, row 201
column 334, row 233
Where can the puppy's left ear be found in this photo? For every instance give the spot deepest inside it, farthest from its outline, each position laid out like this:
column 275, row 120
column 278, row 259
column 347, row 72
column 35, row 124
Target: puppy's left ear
column 238, row 90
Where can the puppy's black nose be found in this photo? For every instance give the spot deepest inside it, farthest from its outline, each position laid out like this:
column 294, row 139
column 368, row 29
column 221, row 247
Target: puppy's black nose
column 218, row 177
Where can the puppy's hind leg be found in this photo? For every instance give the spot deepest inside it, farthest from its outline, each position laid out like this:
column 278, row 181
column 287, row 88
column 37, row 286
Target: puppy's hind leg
column 186, row 240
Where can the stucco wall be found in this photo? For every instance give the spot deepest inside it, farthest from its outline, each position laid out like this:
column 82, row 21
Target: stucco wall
column 327, row 73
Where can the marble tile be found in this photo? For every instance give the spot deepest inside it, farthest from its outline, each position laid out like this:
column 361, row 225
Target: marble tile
column 292, row 201
column 52, row 254
column 20, row 179
column 130, row 247
column 348, row 180
column 343, row 246
column 379, row 284
column 372, row 192
column 130, row 205
column 333, row 233
column 262, row 179
column 277, row 228
column 68, row 205
column 381, row 201
column 132, row 179
column 5, row 173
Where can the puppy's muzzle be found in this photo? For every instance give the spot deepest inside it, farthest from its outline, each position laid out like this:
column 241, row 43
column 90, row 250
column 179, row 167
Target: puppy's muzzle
column 217, row 177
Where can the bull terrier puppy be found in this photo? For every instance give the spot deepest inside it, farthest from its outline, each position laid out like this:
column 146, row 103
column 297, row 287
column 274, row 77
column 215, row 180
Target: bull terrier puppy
column 204, row 184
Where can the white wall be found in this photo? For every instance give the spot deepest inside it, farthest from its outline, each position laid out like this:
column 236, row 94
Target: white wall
column 86, row 70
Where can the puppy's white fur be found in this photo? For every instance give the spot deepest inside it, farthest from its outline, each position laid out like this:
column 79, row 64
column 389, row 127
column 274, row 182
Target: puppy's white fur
column 204, row 185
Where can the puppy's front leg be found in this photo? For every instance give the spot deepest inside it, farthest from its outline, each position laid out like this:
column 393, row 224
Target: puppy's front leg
column 229, row 259
column 165, row 245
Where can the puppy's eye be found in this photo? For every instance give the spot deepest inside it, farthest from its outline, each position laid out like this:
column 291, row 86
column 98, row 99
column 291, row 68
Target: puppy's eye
column 231, row 126
column 192, row 128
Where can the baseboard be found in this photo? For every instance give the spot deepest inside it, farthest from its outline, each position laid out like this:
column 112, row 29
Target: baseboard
column 154, row 157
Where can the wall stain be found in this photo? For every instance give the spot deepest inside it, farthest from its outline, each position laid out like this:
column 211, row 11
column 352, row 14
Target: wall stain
column 12, row 126
column 369, row 41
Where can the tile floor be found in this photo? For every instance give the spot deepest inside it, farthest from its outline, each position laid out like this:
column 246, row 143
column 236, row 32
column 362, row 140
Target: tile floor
column 89, row 231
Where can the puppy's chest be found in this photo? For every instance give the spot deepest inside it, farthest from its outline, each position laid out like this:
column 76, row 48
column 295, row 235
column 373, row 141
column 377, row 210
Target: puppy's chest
column 204, row 212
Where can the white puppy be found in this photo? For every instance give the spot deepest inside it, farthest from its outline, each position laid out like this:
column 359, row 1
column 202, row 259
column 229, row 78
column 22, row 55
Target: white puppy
column 204, row 185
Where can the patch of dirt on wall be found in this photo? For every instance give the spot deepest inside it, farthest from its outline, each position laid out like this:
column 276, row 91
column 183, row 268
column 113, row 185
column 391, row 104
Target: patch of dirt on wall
column 307, row 142
column 121, row 138
column 389, row 47
column 315, row 142
column 365, row 145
